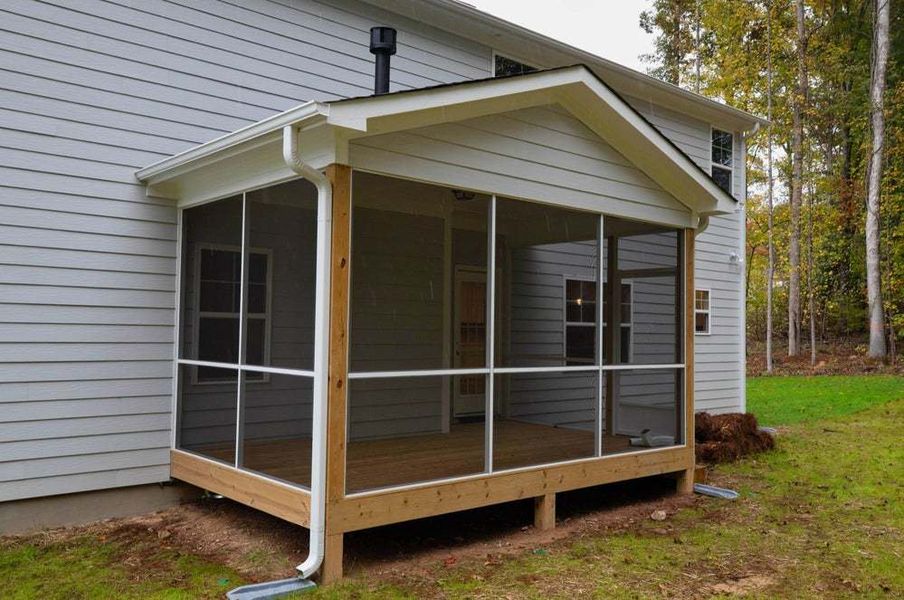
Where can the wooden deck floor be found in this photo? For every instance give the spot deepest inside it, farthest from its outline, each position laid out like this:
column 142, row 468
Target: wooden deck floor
column 388, row 462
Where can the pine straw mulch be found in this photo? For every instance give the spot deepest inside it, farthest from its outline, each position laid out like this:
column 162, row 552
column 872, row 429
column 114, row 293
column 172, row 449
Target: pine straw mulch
column 728, row 437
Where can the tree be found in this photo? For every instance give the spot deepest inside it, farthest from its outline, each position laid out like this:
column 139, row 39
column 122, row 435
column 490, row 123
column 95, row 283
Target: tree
column 671, row 21
column 770, row 273
column 797, row 159
column 874, row 180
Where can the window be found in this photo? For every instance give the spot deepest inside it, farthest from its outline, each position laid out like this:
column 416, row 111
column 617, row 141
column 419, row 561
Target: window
column 218, row 301
column 580, row 320
column 509, row 66
column 627, row 308
column 722, row 144
column 701, row 312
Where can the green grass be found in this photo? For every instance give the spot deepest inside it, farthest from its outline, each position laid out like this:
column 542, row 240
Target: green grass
column 787, row 400
column 822, row 516
column 89, row 566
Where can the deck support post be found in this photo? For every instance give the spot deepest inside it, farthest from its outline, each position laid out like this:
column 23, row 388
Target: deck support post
column 337, row 409
column 331, row 571
column 685, row 483
column 545, row 512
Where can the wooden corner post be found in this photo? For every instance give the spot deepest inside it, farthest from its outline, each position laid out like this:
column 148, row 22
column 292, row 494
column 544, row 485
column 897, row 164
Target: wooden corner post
column 686, row 478
column 545, row 512
column 341, row 178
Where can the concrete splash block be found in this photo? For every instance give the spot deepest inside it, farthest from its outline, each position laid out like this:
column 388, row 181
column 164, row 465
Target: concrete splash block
column 269, row 590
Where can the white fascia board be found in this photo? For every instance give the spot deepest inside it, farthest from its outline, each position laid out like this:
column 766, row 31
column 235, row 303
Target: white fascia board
column 236, row 142
column 613, row 120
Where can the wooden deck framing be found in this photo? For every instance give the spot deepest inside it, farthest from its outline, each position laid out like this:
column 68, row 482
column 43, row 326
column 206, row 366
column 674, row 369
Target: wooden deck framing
column 345, row 513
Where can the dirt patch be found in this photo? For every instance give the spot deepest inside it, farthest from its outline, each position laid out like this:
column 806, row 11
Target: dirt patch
column 728, row 437
column 744, row 585
column 261, row 547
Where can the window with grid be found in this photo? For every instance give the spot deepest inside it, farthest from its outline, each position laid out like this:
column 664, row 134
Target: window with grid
column 702, row 313
column 218, row 302
column 722, row 146
column 580, row 320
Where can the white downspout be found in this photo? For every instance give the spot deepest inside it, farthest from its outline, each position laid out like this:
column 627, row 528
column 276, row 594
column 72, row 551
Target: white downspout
column 321, row 348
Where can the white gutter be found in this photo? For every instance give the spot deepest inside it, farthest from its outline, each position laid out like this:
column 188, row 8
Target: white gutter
column 321, row 349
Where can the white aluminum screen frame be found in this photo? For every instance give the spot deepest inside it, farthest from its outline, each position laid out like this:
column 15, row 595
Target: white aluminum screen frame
column 321, row 322
column 491, row 369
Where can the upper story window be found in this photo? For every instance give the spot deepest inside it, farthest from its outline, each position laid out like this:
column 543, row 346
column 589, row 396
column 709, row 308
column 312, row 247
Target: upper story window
column 722, row 145
column 509, row 66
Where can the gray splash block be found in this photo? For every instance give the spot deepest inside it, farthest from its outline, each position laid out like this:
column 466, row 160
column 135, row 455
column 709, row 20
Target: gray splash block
column 271, row 589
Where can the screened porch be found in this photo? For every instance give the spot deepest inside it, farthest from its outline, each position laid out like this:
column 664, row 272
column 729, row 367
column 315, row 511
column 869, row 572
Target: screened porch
column 560, row 340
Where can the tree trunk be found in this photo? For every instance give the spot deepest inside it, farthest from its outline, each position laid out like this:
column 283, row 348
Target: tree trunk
column 811, row 302
column 797, row 141
column 874, row 181
column 770, row 270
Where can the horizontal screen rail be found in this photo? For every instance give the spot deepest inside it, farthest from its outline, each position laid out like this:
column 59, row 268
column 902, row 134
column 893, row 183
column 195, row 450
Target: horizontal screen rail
column 508, row 370
column 252, row 368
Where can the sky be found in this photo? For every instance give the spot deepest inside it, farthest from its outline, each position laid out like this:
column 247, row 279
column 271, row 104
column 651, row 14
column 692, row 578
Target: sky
column 608, row 28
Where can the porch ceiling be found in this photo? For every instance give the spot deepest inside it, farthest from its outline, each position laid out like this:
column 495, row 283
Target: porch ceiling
column 254, row 156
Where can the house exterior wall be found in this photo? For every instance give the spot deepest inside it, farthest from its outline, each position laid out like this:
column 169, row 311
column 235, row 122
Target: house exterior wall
column 96, row 90
column 719, row 356
column 91, row 93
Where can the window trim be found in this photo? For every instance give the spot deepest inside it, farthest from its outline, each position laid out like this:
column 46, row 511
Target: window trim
column 713, row 165
column 496, row 53
column 566, row 323
column 197, row 312
column 708, row 312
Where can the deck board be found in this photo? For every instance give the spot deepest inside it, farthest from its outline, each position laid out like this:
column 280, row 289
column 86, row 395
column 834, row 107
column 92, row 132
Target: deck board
column 374, row 464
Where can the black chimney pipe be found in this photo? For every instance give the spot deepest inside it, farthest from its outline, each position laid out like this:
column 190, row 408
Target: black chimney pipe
column 382, row 45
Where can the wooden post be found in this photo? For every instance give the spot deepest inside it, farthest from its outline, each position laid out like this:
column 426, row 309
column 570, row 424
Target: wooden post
column 686, row 478
column 337, row 410
column 331, row 571
column 545, row 512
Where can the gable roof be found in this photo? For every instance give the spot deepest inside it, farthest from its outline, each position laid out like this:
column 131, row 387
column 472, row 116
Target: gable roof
column 537, row 49
column 575, row 88
column 655, row 130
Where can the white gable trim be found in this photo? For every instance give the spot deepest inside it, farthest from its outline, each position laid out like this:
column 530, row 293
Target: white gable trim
column 248, row 158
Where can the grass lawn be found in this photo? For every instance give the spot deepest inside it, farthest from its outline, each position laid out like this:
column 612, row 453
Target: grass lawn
column 822, row 516
column 787, row 400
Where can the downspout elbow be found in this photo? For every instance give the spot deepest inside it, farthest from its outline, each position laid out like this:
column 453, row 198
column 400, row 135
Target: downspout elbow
column 317, row 529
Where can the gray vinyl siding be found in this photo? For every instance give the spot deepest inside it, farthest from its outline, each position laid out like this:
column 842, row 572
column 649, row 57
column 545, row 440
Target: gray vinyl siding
column 541, row 153
column 719, row 356
column 90, row 92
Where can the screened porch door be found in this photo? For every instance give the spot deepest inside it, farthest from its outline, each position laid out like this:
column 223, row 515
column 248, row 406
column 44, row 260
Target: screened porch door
column 470, row 328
